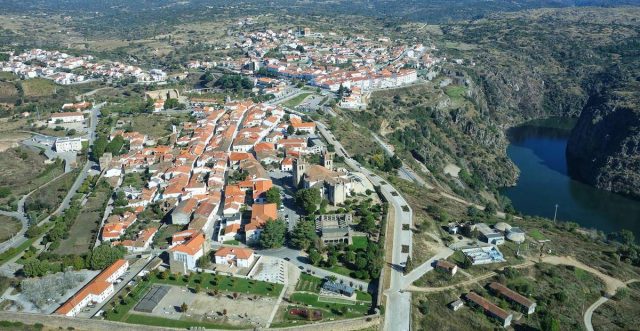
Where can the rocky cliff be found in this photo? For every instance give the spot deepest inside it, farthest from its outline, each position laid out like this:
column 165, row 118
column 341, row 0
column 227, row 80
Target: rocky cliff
column 604, row 147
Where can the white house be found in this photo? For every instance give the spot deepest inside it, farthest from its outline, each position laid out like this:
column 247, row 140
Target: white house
column 183, row 257
column 68, row 145
column 97, row 290
column 240, row 257
column 69, row 117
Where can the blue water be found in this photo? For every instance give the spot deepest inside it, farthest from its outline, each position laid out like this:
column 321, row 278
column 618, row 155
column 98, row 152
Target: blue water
column 539, row 153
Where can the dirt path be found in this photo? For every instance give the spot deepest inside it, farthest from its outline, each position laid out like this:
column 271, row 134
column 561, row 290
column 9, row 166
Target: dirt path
column 466, row 282
column 611, row 284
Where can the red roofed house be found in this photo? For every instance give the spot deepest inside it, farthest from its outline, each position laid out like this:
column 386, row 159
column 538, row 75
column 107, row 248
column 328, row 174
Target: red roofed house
column 286, row 164
column 230, row 232
column 528, row 305
column 97, row 290
column 240, row 257
column 142, row 242
column 260, row 214
column 183, row 257
column 490, row 308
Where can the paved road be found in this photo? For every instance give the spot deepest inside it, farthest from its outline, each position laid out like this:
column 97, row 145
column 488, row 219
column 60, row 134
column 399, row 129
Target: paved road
column 398, row 310
column 300, row 259
column 134, row 270
column 589, row 313
column 18, row 238
column 404, row 170
column 427, row 266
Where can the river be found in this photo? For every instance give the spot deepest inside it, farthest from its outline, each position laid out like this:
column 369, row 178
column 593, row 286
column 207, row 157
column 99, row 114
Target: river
column 538, row 149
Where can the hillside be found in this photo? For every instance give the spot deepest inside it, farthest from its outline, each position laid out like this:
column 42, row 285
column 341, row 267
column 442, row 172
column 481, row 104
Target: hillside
column 515, row 67
column 604, row 147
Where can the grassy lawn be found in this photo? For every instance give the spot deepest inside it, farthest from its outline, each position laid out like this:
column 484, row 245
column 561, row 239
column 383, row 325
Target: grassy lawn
column 153, row 125
column 8, row 76
column 455, row 92
column 12, row 252
column 38, row 87
column 231, row 242
column 336, row 310
column 171, row 323
column 133, row 179
column 295, row 101
column 85, row 227
column 359, row 242
column 340, row 269
column 308, row 283
column 208, row 281
column 8, row 227
column 536, row 234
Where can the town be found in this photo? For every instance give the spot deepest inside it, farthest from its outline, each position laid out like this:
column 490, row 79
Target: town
column 233, row 193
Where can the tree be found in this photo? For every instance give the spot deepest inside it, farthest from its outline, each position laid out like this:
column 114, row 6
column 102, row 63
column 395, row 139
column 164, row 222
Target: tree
column 409, row 265
column 315, row 257
column 105, row 255
column 626, row 237
column 308, row 198
column 4, row 192
column 184, row 307
column 303, row 235
column 550, row 323
column 423, row 307
column 99, row 147
column 121, row 199
column 171, row 103
column 273, row 234
column 35, row 268
column 290, row 130
column 273, row 196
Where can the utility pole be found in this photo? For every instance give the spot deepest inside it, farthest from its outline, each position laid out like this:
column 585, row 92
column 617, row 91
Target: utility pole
column 555, row 213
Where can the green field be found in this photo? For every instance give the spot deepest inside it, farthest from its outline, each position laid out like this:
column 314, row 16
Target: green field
column 295, row 101
column 455, row 92
column 85, row 226
column 155, row 126
column 331, row 309
column 536, row 234
column 359, row 242
column 171, row 323
column 38, row 87
column 47, row 199
column 7, row 76
column 308, row 283
column 208, row 281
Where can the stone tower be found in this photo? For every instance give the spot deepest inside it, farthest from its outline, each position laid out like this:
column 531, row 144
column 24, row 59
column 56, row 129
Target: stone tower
column 327, row 160
column 299, row 168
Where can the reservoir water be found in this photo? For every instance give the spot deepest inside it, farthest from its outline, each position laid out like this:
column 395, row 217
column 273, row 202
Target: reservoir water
column 538, row 149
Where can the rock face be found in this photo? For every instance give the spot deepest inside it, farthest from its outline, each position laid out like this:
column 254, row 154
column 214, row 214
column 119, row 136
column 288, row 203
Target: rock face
column 604, row 147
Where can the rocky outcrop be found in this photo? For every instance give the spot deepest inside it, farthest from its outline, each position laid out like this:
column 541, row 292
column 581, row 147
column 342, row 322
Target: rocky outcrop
column 604, row 147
